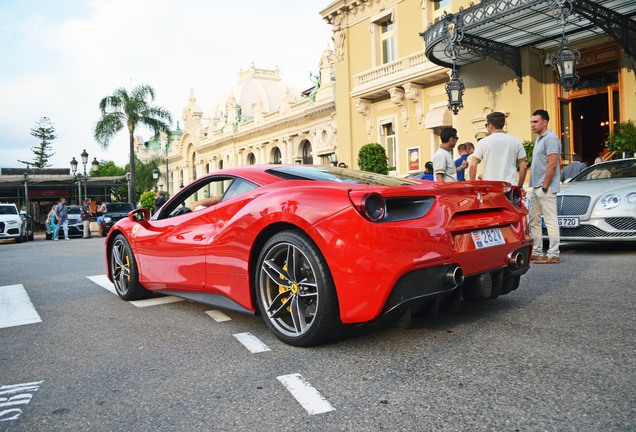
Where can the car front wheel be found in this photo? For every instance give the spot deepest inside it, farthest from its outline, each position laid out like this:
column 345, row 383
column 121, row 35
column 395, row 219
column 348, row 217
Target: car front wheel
column 295, row 291
column 123, row 270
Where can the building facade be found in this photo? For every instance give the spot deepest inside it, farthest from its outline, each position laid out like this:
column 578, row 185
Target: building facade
column 392, row 64
column 261, row 120
column 385, row 81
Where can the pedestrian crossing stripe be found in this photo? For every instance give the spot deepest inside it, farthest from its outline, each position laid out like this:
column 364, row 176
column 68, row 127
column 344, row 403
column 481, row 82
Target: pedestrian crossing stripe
column 104, row 282
column 16, row 308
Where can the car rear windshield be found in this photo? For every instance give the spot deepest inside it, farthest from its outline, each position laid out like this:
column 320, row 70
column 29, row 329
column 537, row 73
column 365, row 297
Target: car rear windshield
column 74, row 210
column 119, row 207
column 337, row 175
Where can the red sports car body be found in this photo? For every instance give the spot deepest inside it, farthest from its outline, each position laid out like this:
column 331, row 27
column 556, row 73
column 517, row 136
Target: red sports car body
column 313, row 247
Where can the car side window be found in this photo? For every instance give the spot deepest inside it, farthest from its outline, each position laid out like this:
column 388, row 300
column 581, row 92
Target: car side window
column 207, row 188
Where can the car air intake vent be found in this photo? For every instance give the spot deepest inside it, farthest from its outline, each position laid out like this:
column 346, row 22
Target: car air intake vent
column 572, row 205
column 622, row 223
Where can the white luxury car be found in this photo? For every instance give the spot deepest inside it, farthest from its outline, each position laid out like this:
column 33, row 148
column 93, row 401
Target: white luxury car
column 599, row 203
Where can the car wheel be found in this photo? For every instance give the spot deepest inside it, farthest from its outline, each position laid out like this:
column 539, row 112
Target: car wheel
column 295, row 291
column 123, row 270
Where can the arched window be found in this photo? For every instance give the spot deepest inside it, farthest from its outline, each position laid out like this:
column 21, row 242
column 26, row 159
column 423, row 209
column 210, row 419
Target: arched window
column 251, row 159
column 277, row 157
column 221, row 164
column 307, row 157
column 193, row 166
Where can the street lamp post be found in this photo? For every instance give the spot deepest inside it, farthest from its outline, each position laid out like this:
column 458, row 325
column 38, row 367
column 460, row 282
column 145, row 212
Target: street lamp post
column 79, row 183
column 155, row 176
column 25, row 177
column 84, row 156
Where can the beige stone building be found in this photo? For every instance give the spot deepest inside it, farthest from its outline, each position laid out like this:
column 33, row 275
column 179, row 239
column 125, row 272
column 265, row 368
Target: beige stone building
column 385, row 80
column 260, row 120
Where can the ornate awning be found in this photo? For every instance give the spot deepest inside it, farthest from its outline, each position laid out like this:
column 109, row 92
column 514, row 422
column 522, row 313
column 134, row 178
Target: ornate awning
column 499, row 28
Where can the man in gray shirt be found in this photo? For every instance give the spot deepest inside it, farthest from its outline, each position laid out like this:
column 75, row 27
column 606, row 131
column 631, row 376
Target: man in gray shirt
column 572, row 169
column 544, row 181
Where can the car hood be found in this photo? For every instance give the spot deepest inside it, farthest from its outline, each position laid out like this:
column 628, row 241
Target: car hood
column 6, row 218
column 599, row 187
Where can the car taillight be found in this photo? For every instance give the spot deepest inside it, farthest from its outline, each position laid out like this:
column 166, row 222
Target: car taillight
column 514, row 196
column 371, row 205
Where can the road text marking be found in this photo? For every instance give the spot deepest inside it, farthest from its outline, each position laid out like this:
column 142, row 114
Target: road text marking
column 16, row 308
column 11, row 396
column 305, row 394
column 251, row 342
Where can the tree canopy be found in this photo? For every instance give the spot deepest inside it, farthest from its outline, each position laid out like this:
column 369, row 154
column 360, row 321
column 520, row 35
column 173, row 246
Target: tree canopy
column 45, row 132
column 130, row 111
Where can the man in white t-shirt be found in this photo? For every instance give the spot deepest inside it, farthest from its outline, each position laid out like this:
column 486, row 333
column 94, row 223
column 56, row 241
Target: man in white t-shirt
column 443, row 163
column 501, row 153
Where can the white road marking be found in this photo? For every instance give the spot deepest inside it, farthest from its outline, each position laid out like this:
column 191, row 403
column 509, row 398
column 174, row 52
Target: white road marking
column 305, row 394
column 16, row 308
column 12, row 396
column 218, row 316
column 104, row 282
column 251, row 342
column 156, row 301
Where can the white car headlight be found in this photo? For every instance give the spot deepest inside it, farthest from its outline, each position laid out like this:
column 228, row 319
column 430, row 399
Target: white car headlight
column 107, row 219
column 12, row 222
column 631, row 198
column 609, row 201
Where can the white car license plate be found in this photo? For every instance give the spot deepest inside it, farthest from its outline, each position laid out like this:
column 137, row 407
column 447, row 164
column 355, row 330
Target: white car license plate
column 487, row 237
column 569, row 222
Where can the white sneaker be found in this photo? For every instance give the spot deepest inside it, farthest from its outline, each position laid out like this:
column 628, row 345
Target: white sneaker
column 67, row 238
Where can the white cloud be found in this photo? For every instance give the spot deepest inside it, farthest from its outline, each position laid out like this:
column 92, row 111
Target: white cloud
column 76, row 59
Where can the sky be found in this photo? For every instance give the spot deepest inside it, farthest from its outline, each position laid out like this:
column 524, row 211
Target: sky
column 58, row 59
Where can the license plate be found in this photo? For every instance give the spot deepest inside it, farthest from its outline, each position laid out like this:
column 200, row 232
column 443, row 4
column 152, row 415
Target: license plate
column 568, row 222
column 487, row 237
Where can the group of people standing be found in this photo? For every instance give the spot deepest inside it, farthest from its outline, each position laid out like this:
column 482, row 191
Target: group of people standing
column 58, row 218
column 504, row 158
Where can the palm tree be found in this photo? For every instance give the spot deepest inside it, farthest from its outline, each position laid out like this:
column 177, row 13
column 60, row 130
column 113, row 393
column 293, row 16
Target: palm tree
column 122, row 109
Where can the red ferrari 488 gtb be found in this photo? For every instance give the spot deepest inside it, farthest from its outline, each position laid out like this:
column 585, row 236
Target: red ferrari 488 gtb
column 313, row 248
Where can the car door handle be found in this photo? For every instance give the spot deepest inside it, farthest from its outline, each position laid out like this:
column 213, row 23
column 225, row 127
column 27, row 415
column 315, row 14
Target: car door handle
column 198, row 237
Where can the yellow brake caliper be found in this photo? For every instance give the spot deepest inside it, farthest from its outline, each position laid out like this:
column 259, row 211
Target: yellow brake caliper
column 127, row 265
column 282, row 289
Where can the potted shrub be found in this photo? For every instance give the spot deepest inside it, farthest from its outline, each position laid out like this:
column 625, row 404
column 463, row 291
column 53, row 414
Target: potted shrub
column 623, row 139
column 372, row 158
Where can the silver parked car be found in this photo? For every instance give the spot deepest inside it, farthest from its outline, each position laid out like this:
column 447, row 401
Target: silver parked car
column 599, row 203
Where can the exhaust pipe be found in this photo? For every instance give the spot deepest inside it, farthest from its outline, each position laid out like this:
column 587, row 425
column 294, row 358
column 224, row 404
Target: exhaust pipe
column 516, row 260
column 455, row 276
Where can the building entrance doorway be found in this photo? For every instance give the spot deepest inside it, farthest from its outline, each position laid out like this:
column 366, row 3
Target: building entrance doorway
column 590, row 111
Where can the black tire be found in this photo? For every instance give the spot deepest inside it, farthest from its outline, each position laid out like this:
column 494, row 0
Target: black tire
column 20, row 239
column 300, row 304
column 49, row 236
column 123, row 270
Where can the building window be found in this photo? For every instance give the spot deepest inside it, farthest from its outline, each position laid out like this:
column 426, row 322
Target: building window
column 251, row 159
column 439, row 4
column 390, row 144
column 307, row 157
column 277, row 157
column 387, row 40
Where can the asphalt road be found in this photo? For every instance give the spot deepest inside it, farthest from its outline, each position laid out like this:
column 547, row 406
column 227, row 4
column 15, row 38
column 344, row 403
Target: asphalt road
column 556, row 354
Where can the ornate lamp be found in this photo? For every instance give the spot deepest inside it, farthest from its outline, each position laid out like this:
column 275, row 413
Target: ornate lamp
column 565, row 60
column 95, row 165
column 453, row 35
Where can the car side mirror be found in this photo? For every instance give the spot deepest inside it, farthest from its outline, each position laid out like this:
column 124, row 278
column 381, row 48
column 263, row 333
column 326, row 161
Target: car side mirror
column 139, row 215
